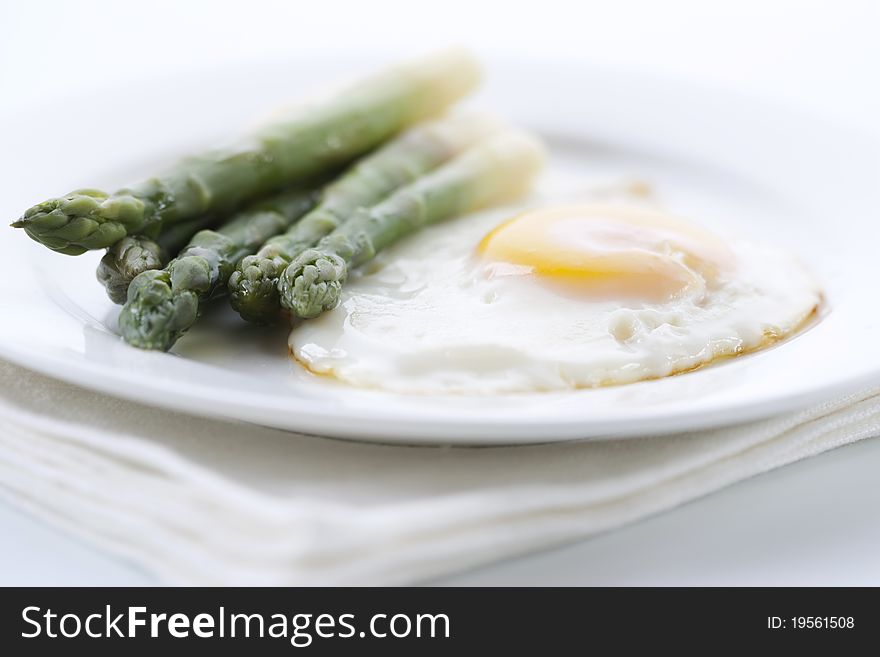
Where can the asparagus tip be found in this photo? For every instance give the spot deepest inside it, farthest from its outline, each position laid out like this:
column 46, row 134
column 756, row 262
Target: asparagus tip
column 82, row 220
column 312, row 283
column 124, row 261
column 154, row 317
column 253, row 288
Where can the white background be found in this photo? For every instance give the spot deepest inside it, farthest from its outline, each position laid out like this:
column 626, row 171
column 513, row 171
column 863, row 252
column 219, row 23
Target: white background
column 821, row 53
column 814, row 522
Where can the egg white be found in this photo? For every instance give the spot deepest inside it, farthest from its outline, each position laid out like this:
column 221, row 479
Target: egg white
column 429, row 317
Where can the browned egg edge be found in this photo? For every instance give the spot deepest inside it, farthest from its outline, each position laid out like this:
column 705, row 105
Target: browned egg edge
column 771, row 339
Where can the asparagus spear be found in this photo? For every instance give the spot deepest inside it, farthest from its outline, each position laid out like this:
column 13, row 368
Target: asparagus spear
column 253, row 286
column 494, row 170
column 134, row 254
column 316, row 138
column 126, row 259
column 163, row 303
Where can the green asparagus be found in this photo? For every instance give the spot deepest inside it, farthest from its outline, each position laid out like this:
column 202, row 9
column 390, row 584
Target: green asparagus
column 253, row 286
column 163, row 303
column 492, row 171
column 134, row 254
column 318, row 137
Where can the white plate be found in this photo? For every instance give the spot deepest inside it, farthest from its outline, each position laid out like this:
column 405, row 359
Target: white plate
column 730, row 162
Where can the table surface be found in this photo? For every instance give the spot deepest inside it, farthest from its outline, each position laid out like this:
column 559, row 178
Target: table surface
column 814, row 522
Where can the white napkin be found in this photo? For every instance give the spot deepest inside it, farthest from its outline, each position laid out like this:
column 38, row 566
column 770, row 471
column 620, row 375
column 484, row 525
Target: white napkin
column 207, row 502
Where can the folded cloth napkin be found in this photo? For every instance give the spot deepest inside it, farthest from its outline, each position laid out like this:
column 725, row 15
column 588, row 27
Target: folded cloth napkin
column 208, row 502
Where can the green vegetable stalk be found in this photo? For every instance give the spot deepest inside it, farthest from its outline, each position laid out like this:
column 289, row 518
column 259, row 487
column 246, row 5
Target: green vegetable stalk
column 315, row 138
column 493, row 171
column 134, row 254
column 164, row 303
column 253, row 286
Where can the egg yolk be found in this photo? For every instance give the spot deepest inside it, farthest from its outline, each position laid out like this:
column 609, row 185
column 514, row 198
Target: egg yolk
column 607, row 251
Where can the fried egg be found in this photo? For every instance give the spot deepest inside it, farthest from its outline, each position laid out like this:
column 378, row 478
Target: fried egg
column 554, row 298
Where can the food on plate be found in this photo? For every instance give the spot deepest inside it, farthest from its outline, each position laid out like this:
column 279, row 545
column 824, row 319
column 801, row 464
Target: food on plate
column 164, row 303
column 134, row 254
column 565, row 294
column 253, row 286
column 556, row 298
column 317, row 137
column 130, row 256
column 495, row 170
column 607, row 252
